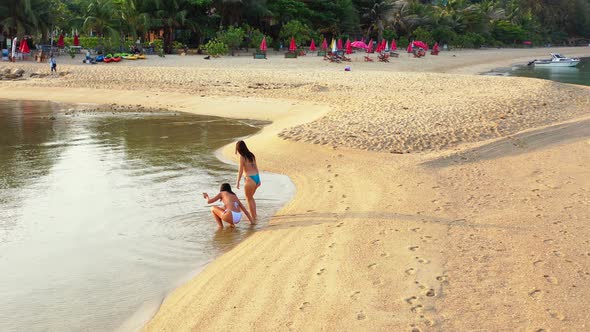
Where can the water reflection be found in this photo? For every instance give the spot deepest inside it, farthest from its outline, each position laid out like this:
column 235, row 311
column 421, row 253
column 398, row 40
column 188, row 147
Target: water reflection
column 101, row 214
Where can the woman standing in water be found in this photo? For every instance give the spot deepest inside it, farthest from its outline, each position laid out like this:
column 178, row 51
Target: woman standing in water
column 248, row 165
column 232, row 213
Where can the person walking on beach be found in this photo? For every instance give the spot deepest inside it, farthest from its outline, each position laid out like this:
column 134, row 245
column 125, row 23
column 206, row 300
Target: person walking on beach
column 53, row 64
column 248, row 166
column 232, row 211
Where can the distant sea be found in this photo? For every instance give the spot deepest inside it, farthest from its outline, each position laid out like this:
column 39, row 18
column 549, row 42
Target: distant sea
column 573, row 75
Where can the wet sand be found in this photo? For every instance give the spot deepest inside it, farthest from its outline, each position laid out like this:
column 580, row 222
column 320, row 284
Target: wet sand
column 376, row 238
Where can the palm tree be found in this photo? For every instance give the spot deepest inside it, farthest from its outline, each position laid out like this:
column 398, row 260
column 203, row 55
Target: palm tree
column 378, row 12
column 402, row 17
column 25, row 17
column 102, row 17
column 171, row 15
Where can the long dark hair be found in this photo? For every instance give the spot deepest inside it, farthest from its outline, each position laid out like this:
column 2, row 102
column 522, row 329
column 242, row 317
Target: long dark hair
column 244, row 152
column 226, row 187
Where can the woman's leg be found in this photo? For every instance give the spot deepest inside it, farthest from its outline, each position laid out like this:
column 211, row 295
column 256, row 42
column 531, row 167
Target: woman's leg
column 249, row 190
column 217, row 214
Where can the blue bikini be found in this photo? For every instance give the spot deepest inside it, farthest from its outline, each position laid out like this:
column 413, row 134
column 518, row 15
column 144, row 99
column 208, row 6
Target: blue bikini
column 255, row 178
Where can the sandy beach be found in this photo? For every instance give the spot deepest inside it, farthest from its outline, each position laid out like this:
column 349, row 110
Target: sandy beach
column 428, row 198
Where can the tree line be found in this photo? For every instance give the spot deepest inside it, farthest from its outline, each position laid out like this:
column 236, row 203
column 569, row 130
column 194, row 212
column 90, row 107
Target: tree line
column 235, row 23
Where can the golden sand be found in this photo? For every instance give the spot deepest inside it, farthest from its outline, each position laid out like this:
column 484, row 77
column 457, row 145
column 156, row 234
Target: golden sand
column 482, row 226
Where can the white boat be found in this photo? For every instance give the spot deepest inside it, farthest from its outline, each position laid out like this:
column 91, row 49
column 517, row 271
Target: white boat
column 557, row 60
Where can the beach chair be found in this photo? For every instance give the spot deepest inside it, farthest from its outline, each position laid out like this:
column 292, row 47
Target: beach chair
column 433, row 52
column 383, row 57
column 368, row 59
column 345, row 58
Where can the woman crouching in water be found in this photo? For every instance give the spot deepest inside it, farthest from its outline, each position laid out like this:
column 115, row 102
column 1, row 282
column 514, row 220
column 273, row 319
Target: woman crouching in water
column 248, row 166
column 232, row 213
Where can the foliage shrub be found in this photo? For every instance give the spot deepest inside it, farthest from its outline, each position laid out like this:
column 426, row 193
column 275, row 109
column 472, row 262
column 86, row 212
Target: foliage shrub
column 215, row 48
column 301, row 32
column 232, row 38
column 256, row 38
column 423, row 35
column 444, row 35
column 508, row 32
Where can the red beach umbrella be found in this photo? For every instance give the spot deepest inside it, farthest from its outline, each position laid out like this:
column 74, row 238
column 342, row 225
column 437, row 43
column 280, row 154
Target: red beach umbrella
column 370, row 46
column 292, row 46
column 348, row 47
column 420, row 44
column 24, row 46
column 411, row 47
column 312, row 46
column 435, row 47
column 60, row 42
column 263, row 44
column 76, row 40
column 393, row 45
column 324, row 45
column 339, row 44
column 378, row 49
column 359, row 44
column 383, row 45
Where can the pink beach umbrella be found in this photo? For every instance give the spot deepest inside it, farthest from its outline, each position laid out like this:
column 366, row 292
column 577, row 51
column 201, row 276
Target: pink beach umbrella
column 435, row 47
column 263, row 45
column 76, row 40
column 411, row 47
column 24, row 46
column 378, row 49
column 60, row 42
column 370, row 46
column 393, row 45
column 348, row 47
column 420, row 44
column 383, row 45
column 324, row 45
column 340, row 44
column 312, row 46
column 359, row 44
column 292, row 46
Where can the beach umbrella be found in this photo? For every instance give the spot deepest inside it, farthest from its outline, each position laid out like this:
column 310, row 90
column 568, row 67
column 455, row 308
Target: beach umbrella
column 24, row 46
column 435, row 47
column 312, row 46
column 383, row 45
column 370, row 46
column 359, row 44
column 420, row 44
column 378, row 49
column 333, row 46
column 411, row 47
column 393, row 45
column 14, row 48
column 324, row 45
column 386, row 45
column 292, row 46
column 60, row 42
column 348, row 47
column 76, row 40
column 340, row 44
column 263, row 44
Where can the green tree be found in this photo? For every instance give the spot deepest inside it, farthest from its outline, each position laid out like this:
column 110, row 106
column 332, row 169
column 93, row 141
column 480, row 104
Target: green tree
column 301, row 32
column 233, row 37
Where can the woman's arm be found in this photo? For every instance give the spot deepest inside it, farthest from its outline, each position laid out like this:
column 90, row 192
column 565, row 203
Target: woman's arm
column 211, row 200
column 243, row 208
column 240, row 172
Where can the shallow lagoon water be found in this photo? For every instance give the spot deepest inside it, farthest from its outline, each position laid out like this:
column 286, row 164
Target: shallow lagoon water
column 101, row 215
column 579, row 74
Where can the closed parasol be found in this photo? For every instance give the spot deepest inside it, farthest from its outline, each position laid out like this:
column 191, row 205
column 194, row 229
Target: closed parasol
column 292, row 46
column 411, row 47
column 370, row 46
column 340, row 44
column 348, row 47
column 76, row 40
column 324, row 45
column 393, row 45
column 435, row 47
column 60, row 41
column 312, row 45
column 24, row 46
column 263, row 45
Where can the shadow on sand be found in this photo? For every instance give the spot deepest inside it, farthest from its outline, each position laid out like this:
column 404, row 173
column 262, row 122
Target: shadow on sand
column 518, row 144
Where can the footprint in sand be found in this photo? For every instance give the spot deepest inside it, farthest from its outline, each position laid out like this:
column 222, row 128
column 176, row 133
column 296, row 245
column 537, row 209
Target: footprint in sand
column 550, row 279
column 321, row 272
column 442, row 278
column 557, row 253
column 361, row 316
column 422, row 260
column 536, row 294
column 355, row 295
column 430, row 293
column 538, row 263
column 413, row 248
column 410, row 271
column 375, row 241
column 555, row 314
column 417, row 229
column 332, row 245
column 384, row 254
column 304, row 305
column 340, row 224
column 372, row 266
column 416, row 309
column 548, row 241
column 415, row 329
column 411, row 300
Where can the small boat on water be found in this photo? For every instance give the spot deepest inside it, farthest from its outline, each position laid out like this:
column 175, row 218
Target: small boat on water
column 557, row 60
